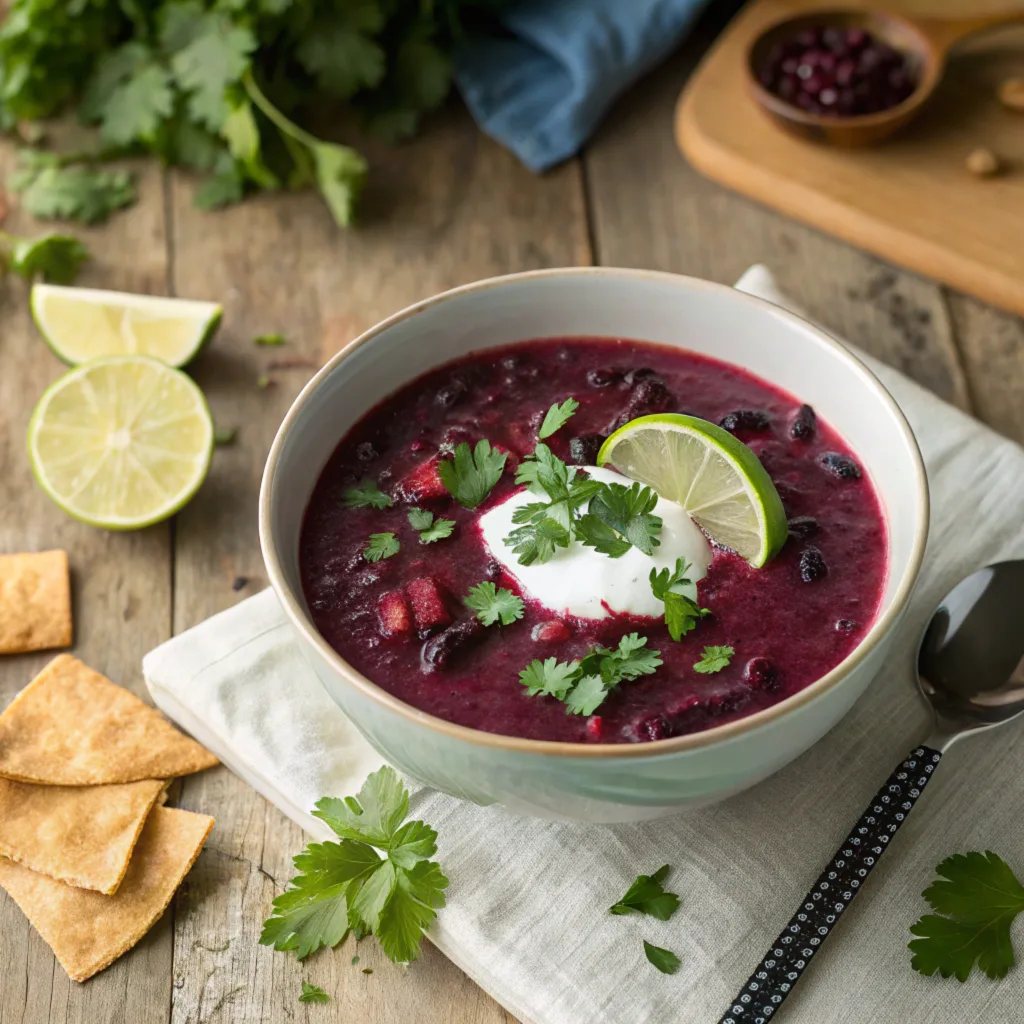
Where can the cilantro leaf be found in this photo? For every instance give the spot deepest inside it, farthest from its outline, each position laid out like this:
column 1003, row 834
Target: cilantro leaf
column 55, row 257
column 545, row 473
column 681, row 611
column 594, row 533
column 647, row 896
column 224, row 435
column 664, row 959
column 549, row 677
column 138, row 106
column 713, row 659
column 493, row 604
column 382, row 545
column 586, row 696
column 222, row 189
column 536, row 542
column 347, row 885
column 430, row 529
column 340, row 56
column 52, row 192
column 470, row 475
column 366, row 494
column 242, row 135
column 627, row 511
column 557, row 416
column 313, row 994
column 269, row 339
column 980, row 897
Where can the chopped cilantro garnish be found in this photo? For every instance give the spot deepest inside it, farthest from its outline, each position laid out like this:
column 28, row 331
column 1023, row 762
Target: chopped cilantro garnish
column 647, row 896
column 470, row 475
column 582, row 685
column 627, row 511
column 355, row 960
column 664, row 959
column 978, row 896
column 493, row 604
column 557, row 416
column 224, row 435
column 714, row 659
column 382, row 545
column 367, row 494
column 430, row 530
column 269, row 339
column 348, row 885
column 536, row 542
column 681, row 612
column 594, row 533
column 313, row 994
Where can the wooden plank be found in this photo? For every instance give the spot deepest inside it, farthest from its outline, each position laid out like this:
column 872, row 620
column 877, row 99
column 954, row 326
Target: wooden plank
column 449, row 208
column 121, row 605
column 651, row 209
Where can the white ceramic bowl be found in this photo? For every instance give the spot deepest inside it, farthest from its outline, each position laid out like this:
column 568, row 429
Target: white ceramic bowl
column 614, row 782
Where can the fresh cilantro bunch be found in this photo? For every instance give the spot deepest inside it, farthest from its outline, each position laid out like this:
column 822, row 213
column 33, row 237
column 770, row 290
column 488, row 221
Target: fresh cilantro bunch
column 215, row 85
column 617, row 517
column 378, row 879
column 978, row 897
column 583, row 684
column 681, row 612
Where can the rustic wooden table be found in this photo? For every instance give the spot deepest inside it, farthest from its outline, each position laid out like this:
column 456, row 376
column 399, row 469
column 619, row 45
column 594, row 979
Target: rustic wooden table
column 449, row 208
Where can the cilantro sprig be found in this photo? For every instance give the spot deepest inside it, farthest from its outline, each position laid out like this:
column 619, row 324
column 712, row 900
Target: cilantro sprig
column 470, row 474
column 366, row 495
column 681, row 612
column 583, row 684
column 494, row 604
column 378, row 879
column 429, row 528
column 647, row 895
column 381, row 545
column 976, row 899
column 664, row 959
column 556, row 417
column 713, row 659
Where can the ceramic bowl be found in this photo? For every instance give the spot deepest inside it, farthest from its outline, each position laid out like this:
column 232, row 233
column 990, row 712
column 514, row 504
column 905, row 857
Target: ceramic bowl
column 590, row 782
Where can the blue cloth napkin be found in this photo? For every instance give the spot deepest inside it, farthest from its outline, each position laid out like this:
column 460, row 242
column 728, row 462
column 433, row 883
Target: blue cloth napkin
column 542, row 89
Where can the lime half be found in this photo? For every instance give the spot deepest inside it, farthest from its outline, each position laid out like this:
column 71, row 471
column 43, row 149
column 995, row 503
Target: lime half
column 121, row 442
column 81, row 324
column 717, row 479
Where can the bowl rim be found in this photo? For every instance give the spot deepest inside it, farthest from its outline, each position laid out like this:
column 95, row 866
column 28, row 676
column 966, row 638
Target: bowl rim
column 301, row 622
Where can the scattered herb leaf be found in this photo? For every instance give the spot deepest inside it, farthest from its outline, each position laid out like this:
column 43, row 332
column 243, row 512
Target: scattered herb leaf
column 647, row 896
column 550, row 677
column 493, row 604
column 627, row 511
column 382, row 545
column 713, row 659
column 348, row 885
column 595, row 533
column 470, row 475
column 664, row 959
column 366, row 494
column 537, row 542
column 430, row 530
column 263, row 380
column 269, row 339
column 979, row 897
column 355, row 960
column 420, row 518
column 313, row 994
column 557, row 416
column 55, row 258
column 681, row 612
column 224, row 435
column 51, row 191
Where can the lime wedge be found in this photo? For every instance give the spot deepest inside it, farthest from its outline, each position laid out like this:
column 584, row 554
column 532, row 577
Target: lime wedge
column 121, row 442
column 717, row 480
column 80, row 324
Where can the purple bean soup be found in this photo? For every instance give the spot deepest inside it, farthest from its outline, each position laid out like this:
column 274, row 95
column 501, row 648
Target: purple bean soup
column 463, row 549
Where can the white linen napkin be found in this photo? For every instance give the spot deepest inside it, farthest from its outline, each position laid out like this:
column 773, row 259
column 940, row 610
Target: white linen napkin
column 527, row 909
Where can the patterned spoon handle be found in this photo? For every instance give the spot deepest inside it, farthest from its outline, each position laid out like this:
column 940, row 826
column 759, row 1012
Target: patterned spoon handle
column 782, row 965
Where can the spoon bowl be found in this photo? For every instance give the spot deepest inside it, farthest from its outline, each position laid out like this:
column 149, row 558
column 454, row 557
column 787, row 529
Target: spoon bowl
column 924, row 42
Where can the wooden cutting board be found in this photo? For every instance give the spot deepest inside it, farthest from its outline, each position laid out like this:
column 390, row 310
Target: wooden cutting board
column 909, row 200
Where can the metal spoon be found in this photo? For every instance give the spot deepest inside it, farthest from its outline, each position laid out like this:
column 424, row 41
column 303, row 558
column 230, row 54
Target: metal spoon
column 970, row 669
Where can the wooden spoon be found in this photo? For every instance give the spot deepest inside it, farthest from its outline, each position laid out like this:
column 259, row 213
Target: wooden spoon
column 925, row 42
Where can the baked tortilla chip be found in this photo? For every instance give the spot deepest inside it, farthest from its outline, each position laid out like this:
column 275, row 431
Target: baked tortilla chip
column 82, row 835
column 88, row 931
column 73, row 727
column 35, row 602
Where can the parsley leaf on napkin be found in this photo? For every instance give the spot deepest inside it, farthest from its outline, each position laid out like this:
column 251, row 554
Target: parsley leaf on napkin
column 713, row 659
column 366, row 494
column 647, row 896
column 493, row 604
column 313, row 994
column 557, row 416
column 470, row 475
column 979, row 896
column 382, row 545
column 348, row 886
column 664, row 959
column 681, row 613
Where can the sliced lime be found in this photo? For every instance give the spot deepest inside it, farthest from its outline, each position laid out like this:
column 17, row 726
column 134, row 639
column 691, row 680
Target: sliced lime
column 80, row 324
column 121, row 442
column 717, row 479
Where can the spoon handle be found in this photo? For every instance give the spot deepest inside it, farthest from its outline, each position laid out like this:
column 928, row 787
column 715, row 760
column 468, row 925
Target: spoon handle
column 782, row 965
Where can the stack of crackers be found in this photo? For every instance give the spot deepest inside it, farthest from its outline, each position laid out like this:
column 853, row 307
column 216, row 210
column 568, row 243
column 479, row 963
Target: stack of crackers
column 87, row 849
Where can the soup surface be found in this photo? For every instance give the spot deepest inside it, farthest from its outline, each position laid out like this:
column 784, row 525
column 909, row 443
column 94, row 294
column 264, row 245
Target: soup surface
column 401, row 620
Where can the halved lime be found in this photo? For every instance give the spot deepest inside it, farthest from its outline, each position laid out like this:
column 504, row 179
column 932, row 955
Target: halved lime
column 717, row 479
column 80, row 324
column 121, row 442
